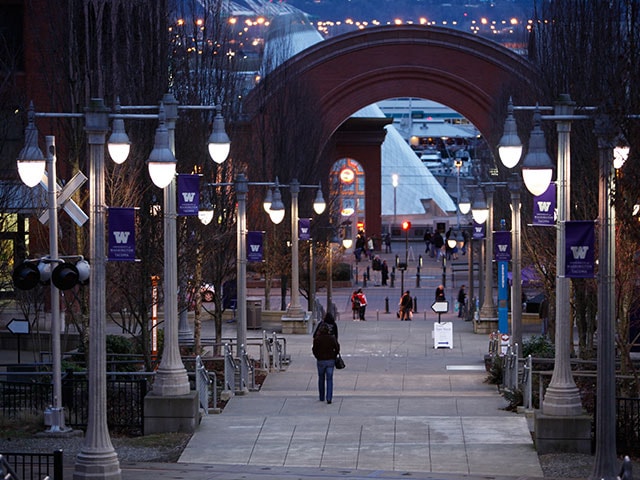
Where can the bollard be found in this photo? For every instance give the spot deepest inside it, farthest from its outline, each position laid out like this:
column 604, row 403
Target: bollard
column 415, row 304
column 393, row 277
column 368, row 273
column 356, row 274
column 386, row 305
column 364, row 279
column 418, row 278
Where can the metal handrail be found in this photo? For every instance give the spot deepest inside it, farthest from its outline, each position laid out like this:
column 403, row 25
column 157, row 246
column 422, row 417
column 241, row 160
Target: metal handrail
column 202, row 384
column 230, row 368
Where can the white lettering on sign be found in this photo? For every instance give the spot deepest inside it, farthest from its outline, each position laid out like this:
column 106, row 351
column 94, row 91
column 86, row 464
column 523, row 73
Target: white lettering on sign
column 121, row 237
column 502, row 248
column 188, row 196
column 544, row 206
column 579, row 252
column 254, row 248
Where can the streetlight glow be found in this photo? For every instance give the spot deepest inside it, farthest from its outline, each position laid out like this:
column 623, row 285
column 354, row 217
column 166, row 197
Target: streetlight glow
column 31, row 162
column 537, row 167
column 510, row 146
column 161, row 162
column 219, row 143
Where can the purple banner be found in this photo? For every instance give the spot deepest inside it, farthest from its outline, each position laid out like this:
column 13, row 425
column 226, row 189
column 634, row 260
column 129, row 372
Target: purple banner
column 478, row 230
column 254, row 246
column 544, row 207
column 502, row 246
column 579, row 249
column 188, row 195
column 304, row 229
column 122, row 235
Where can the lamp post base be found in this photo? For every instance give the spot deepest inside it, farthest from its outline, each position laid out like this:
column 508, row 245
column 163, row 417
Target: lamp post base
column 296, row 325
column 163, row 414
column 554, row 434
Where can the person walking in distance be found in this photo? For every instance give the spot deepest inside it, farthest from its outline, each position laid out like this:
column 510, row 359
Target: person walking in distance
column 462, row 301
column 406, row 306
column 325, row 349
column 362, row 299
column 440, row 294
column 384, row 273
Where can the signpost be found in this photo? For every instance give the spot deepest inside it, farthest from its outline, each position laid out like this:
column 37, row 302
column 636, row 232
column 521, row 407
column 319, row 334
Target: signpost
column 440, row 308
column 442, row 331
column 19, row 326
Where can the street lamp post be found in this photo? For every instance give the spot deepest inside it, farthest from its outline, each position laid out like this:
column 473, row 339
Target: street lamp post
column 394, row 182
column 97, row 457
column 562, row 405
column 605, row 459
column 488, row 310
column 515, row 185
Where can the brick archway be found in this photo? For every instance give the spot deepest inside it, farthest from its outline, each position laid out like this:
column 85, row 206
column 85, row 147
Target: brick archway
column 472, row 75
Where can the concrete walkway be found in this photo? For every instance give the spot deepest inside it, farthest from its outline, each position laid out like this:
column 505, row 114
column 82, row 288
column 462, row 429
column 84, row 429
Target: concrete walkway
column 401, row 405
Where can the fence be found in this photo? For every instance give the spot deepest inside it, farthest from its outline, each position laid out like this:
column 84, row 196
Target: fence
column 23, row 466
column 518, row 374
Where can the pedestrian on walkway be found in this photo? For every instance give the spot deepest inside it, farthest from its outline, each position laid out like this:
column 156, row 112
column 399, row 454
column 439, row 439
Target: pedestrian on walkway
column 440, row 294
column 370, row 247
column 406, row 306
column 355, row 305
column 325, row 349
column 384, row 273
column 376, row 266
column 330, row 321
column 462, row 301
column 387, row 242
column 362, row 300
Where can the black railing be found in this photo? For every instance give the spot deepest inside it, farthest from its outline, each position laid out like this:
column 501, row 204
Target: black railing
column 125, row 400
column 24, row 466
column 627, row 424
column 24, row 397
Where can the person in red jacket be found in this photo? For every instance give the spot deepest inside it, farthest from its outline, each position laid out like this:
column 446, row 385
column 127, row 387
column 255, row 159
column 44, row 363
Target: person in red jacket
column 362, row 300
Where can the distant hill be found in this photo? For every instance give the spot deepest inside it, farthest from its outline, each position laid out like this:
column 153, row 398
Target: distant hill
column 409, row 10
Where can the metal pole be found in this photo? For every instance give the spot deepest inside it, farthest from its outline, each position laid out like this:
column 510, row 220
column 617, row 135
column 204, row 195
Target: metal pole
column 515, row 185
column 330, row 279
column 242, row 187
column 312, row 278
column 57, row 420
column 295, row 310
column 562, row 397
column 488, row 311
column 97, row 457
column 605, row 461
column 171, row 378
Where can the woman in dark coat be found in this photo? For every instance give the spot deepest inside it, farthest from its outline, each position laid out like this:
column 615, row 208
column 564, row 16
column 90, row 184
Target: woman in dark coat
column 325, row 348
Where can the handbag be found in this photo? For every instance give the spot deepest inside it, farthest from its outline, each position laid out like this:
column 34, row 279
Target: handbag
column 339, row 362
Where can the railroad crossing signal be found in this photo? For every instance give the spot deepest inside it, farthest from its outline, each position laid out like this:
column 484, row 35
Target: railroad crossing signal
column 64, row 199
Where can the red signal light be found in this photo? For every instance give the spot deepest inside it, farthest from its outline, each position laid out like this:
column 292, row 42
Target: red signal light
column 406, row 225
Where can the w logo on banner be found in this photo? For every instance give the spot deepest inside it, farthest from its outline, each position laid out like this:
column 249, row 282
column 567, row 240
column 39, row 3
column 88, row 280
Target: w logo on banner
column 188, row 195
column 122, row 241
column 121, row 237
column 579, row 249
column 579, row 252
column 544, row 206
column 478, row 230
column 502, row 246
column 254, row 246
column 304, row 229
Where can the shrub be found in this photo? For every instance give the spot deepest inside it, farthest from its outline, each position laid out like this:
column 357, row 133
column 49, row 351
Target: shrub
column 538, row 346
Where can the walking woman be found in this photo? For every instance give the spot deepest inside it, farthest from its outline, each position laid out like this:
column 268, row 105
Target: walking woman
column 325, row 348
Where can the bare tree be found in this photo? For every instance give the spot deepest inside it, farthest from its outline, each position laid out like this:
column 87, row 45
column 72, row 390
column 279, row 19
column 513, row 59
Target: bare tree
column 591, row 60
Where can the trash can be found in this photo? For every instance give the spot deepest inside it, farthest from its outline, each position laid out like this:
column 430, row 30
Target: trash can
column 254, row 313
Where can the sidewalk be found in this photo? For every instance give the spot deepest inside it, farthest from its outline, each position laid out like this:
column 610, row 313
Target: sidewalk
column 400, row 408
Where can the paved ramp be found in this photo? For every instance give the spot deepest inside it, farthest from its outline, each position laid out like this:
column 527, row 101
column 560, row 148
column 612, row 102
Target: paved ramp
column 400, row 405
